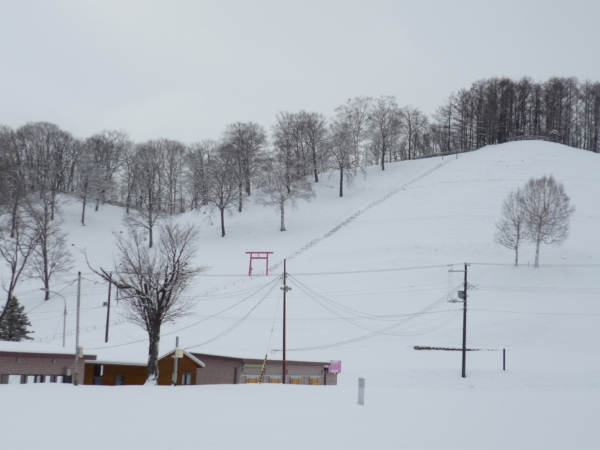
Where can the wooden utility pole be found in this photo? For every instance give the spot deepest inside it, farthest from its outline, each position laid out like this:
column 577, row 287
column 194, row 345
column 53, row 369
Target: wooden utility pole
column 464, row 349
column 284, row 292
column 108, row 306
column 76, row 380
column 285, row 289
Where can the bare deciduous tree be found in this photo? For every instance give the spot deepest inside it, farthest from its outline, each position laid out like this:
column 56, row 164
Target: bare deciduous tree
column 354, row 114
column 342, row 153
column 51, row 257
column 282, row 185
column 510, row 226
column 383, row 123
column 151, row 281
column 245, row 141
column 222, row 190
column 16, row 252
column 547, row 212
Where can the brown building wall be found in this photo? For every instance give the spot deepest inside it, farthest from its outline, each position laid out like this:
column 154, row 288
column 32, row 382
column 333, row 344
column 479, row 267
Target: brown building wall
column 166, row 367
column 133, row 374
column 24, row 363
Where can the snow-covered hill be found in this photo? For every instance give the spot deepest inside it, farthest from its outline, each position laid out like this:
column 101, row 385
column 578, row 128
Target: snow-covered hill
column 376, row 272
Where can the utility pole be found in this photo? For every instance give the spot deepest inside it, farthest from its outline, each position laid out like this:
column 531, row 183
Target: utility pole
column 464, row 349
column 464, row 339
column 108, row 306
column 285, row 289
column 76, row 378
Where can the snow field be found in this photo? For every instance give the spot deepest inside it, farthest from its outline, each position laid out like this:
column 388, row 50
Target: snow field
column 546, row 318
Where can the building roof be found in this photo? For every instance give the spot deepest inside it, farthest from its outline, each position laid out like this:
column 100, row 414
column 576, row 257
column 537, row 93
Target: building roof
column 189, row 355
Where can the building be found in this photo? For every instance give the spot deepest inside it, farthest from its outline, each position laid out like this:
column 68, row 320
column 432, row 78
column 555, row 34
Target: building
column 19, row 367
column 107, row 373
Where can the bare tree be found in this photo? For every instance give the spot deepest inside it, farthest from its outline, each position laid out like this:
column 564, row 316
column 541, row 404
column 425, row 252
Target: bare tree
column 383, row 122
column 108, row 150
column 313, row 128
column 151, row 281
column 51, row 257
column 148, row 183
column 547, row 212
column 222, row 191
column 510, row 226
column 281, row 184
column 16, row 252
column 90, row 180
column 342, row 153
column 354, row 114
column 198, row 159
column 245, row 141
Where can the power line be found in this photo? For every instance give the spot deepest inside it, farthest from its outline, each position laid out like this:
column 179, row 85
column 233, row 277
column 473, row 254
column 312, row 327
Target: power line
column 537, row 313
column 193, row 324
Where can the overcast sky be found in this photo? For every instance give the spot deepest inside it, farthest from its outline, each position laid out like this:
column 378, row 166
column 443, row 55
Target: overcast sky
column 185, row 69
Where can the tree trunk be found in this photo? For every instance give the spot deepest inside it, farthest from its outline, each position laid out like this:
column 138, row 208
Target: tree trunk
column 537, row 254
column 240, row 193
column 222, row 222
column 517, row 256
column 282, row 210
column 151, row 241
column 83, row 212
column 341, row 182
column 152, row 370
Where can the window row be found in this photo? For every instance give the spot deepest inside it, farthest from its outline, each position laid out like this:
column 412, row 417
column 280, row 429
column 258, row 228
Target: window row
column 27, row 379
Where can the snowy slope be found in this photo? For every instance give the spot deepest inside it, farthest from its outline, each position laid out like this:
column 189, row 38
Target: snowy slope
column 367, row 276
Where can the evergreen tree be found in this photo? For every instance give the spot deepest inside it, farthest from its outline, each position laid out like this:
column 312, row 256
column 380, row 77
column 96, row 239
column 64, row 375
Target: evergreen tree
column 14, row 324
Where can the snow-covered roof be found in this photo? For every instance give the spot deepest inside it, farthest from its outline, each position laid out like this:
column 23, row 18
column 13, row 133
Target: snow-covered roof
column 189, row 355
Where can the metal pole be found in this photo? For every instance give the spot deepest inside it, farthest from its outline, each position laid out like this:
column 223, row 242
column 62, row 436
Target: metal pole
column 464, row 349
column 76, row 379
column 64, row 322
column 503, row 359
column 108, row 306
column 176, row 361
column 284, row 293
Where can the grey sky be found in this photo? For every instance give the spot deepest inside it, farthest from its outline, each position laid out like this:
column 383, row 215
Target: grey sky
column 185, row 69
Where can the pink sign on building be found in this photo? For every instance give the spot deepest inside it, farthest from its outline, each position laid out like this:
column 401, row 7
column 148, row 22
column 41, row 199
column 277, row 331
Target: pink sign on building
column 335, row 367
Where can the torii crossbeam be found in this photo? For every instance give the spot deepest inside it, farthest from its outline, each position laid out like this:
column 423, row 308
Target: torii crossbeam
column 259, row 255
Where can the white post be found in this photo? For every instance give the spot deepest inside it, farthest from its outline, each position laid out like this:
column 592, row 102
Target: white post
column 361, row 391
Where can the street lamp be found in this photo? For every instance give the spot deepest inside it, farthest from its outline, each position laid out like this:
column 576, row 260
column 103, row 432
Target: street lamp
column 64, row 313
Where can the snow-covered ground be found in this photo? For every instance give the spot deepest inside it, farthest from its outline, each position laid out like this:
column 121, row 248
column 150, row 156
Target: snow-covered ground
column 375, row 273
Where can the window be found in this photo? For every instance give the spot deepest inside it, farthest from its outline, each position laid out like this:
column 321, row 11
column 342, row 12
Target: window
column 186, row 378
column 252, row 379
column 11, row 379
column 48, row 379
column 315, row 380
column 119, row 380
column 275, row 379
column 296, row 380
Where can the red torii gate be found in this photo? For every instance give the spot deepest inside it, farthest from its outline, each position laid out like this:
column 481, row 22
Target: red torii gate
column 259, row 255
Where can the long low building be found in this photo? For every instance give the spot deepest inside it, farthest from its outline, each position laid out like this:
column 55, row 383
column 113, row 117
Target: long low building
column 19, row 367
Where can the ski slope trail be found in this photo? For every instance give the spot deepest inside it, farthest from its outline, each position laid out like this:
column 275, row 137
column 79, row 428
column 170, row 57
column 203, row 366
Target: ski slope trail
column 359, row 213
